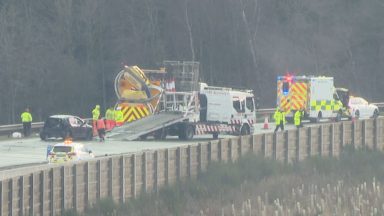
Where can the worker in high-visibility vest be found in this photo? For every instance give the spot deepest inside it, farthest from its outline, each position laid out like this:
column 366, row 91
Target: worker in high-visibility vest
column 26, row 119
column 297, row 118
column 119, row 117
column 95, row 117
column 110, row 118
column 279, row 117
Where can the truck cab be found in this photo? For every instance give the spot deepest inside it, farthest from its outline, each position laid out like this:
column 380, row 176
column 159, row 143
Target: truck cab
column 228, row 106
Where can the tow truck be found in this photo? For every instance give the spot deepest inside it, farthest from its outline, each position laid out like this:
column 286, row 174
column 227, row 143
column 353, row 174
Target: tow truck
column 193, row 109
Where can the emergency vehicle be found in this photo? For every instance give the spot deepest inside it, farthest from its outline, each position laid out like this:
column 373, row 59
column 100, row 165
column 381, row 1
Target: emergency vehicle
column 194, row 109
column 69, row 151
column 316, row 96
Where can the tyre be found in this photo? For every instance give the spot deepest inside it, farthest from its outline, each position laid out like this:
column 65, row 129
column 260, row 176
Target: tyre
column 43, row 136
column 215, row 135
column 143, row 137
column 338, row 116
column 376, row 113
column 186, row 132
column 357, row 114
column 245, row 130
column 160, row 134
column 89, row 135
column 317, row 119
column 66, row 134
column 189, row 132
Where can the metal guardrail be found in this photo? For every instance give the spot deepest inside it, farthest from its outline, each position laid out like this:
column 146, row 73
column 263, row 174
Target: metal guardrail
column 36, row 126
column 7, row 129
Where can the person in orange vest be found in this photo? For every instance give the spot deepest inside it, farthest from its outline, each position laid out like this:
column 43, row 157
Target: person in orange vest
column 100, row 124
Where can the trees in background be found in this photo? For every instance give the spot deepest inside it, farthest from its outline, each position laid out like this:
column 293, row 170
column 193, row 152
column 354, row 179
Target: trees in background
column 62, row 56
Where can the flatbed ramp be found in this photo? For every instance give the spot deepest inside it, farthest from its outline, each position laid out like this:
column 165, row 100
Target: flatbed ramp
column 132, row 131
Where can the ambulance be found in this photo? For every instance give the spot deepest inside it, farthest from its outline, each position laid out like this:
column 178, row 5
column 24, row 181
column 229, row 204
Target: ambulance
column 316, row 96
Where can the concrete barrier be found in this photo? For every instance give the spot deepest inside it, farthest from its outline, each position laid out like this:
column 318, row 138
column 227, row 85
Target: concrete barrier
column 49, row 190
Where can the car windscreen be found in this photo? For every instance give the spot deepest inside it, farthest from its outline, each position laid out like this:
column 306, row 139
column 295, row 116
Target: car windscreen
column 52, row 122
column 62, row 149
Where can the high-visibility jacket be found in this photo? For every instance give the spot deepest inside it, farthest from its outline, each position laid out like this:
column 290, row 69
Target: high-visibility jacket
column 100, row 124
column 119, row 118
column 110, row 114
column 297, row 118
column 279, row 117
column 95, row 114
column 26, row 117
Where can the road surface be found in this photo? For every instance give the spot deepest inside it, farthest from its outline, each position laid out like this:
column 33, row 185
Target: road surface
column 19, row 152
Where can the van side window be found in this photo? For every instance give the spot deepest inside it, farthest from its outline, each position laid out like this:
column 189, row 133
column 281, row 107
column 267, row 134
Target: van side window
column 250, row 105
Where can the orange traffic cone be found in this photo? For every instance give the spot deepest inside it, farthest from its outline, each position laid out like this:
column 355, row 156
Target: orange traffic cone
column 266, row 124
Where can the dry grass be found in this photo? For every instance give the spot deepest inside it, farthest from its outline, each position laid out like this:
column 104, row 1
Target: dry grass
column 338, row 198
column 351, row 185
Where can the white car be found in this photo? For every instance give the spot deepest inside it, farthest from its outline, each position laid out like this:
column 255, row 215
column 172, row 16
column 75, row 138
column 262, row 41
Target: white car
column 69, row 151
column 360, row 108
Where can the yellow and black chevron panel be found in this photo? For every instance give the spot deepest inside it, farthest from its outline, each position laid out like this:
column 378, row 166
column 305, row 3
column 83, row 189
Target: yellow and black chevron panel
column 296, row 98
column 134, row 112
column 326, row 105
column 298, row 95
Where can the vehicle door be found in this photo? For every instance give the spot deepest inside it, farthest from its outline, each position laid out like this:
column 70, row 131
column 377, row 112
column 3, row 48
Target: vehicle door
column 75, row 124
column 250, row 110
column 52, row 126
column 83, row 127
column 239, row 106
column 365, row 109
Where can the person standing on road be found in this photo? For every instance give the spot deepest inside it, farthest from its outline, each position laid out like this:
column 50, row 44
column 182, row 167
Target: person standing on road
column 297, row 118
column 26, row 119
column 279, row 117
column 119, row 117
column 95, row 117
column 100, row 124
column 109, row 118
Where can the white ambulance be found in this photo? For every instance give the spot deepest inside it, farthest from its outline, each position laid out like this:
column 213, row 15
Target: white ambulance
column 317, row 96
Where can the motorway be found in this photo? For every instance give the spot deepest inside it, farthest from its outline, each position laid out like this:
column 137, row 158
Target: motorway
column 17, row 152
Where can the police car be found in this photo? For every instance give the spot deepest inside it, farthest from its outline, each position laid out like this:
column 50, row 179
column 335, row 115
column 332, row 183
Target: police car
column 69, row 151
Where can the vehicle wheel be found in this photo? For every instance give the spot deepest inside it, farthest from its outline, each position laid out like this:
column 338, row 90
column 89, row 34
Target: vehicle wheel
column 160, row 134
column 289, row 119
column 319, row 116
column 215, row 135
column 186, row 132
column 338, row 116
column 189, row 132
column 244, row 130
column 89, row 135
column 43, row 136
column 357, row 114
column 376, row 113
column 143, row 137
column 66, row 134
